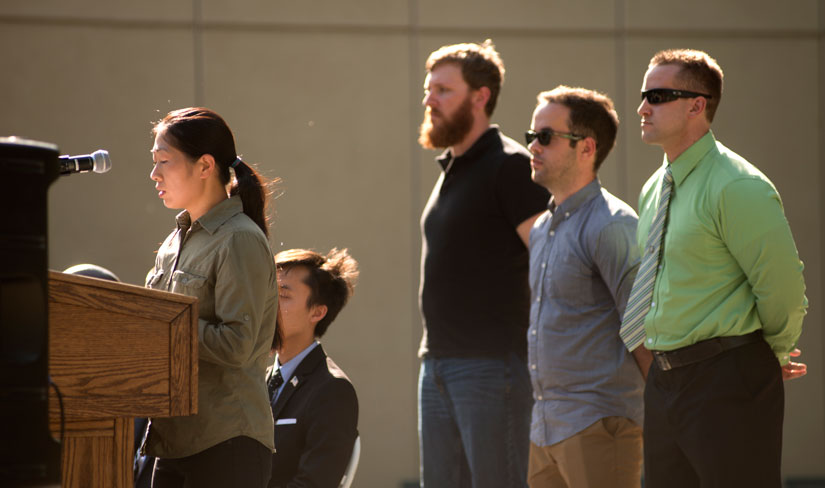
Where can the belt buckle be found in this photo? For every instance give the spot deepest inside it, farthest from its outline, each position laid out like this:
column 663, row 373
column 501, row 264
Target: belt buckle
column 662, row 361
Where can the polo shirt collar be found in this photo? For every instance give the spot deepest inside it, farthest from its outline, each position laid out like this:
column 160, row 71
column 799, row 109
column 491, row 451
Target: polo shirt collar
column 684, row 164
column 478, row 148
column 215, row 217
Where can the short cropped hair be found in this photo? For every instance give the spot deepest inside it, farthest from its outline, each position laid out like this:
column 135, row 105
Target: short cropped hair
column 591, row 115
column 331, row 279
column 699, row 73
column 480, row 65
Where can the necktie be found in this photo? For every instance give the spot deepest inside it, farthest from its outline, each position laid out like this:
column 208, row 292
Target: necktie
column 632, row 331
column 275, row 382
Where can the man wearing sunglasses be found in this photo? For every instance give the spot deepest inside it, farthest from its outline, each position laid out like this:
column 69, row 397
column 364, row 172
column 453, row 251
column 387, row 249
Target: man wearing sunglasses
column 586, row 427
column 474, row 388
column 721, row 307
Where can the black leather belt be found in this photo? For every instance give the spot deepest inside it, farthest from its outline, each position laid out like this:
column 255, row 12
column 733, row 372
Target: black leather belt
column 700, row 351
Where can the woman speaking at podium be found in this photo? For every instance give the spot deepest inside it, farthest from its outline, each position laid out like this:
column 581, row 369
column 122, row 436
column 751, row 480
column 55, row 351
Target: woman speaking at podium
column 218, row 252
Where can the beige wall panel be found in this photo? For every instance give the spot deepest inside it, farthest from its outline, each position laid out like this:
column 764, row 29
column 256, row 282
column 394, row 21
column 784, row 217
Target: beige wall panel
column 734, row 15
column 427, row 170
column 99, row 90
column 777, row 134
column 518, row 14
column 85, row 10
column 327, row 113
column 371, row 12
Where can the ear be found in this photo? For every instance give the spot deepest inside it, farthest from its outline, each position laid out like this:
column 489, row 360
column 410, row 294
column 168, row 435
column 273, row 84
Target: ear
column 207, row 166
column 480, row 97
column 587, row 149
column 697, row 108
column 317, row 313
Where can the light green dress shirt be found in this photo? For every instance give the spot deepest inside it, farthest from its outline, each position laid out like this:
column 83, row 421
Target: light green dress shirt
column 729, row 264
column 225, row 260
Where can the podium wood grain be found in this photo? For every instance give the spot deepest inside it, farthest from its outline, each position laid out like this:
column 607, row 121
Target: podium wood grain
column 116, row 352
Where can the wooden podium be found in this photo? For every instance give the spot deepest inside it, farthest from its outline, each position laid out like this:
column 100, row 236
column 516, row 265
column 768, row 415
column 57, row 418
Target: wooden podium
column 116, row 352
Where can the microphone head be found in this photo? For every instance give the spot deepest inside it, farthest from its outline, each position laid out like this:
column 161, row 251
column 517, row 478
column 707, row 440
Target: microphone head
column 102, row 163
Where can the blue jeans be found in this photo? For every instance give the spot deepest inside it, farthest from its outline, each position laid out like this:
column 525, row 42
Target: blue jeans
column 474, row 422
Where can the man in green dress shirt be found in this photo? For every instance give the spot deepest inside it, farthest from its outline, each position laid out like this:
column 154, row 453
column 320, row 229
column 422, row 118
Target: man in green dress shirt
column 727, row 299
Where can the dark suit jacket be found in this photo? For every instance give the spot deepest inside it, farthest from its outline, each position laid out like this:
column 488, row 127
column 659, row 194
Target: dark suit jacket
column 316, row 423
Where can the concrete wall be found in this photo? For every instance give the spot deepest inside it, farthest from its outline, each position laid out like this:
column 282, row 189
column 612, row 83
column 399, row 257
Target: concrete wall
column 326, row 95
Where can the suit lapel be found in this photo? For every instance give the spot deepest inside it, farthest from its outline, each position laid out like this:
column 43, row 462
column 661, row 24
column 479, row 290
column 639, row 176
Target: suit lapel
column 301, row 376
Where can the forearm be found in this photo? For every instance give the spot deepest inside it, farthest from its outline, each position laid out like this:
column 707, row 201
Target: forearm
column 244, row 306
column 644, row 359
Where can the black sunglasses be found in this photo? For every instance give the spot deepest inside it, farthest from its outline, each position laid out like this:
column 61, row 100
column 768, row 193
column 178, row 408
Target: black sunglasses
column 664, row 95
column 545, row 135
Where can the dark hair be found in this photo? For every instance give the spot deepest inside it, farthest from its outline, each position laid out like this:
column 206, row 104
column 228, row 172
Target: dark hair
column 196, row 131
column 480, row 65
column 591, row 115
column 699, row 72
column 331, row 279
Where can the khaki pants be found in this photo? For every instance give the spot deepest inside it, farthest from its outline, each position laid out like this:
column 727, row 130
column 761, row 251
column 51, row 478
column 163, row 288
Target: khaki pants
column 606, row 454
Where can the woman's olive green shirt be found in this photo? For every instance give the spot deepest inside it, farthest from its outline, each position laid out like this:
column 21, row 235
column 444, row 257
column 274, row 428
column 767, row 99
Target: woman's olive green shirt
column 223, row 259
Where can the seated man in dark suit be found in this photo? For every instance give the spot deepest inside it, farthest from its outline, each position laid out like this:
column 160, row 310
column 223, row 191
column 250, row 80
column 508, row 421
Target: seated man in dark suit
column 313, row 401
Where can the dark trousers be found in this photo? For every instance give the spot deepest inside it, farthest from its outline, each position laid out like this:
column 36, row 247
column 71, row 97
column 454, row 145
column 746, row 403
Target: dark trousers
column 240, row 461
column 715, row 423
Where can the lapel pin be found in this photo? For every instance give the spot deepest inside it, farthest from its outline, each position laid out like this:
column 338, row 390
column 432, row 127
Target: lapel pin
column 294, row 381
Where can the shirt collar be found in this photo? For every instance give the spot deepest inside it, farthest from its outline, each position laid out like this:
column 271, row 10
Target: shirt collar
column 479, row 147
column 288, row 368
column 688, row 160
column 576, row 200
column 215, row 217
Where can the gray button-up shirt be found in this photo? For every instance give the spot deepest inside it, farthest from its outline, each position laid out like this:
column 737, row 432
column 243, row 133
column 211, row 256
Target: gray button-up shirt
column 583, row 260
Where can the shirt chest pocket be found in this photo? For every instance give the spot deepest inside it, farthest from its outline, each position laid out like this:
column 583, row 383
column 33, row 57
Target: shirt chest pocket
column 153, row 279
column 570, row 280
column 187, row 283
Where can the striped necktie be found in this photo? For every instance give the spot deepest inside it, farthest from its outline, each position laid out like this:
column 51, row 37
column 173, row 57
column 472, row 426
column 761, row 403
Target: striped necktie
column 632, row 331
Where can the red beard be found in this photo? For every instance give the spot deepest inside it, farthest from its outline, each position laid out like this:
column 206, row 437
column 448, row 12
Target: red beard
column 450, row 131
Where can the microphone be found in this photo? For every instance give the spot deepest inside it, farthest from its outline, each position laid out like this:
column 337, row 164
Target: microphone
column 98, row 162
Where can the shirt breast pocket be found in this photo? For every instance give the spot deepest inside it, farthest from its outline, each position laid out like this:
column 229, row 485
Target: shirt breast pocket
column 569, row 281
column 153, row 279
column 188, row 283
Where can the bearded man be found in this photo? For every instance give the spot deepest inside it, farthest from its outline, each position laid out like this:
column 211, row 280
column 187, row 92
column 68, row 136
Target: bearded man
column 474, row 388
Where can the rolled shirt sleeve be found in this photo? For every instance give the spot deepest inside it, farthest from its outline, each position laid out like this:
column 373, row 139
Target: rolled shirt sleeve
column 242, row 291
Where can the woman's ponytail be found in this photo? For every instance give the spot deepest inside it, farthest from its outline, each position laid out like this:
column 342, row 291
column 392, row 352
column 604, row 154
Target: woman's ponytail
column 252, row 188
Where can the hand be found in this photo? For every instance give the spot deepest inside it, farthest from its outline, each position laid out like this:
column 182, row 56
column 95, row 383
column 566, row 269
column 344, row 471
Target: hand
column 794, row 370
column 643, row 358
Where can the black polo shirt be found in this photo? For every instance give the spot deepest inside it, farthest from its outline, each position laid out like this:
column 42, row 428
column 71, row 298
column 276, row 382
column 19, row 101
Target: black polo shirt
column 474, row 295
